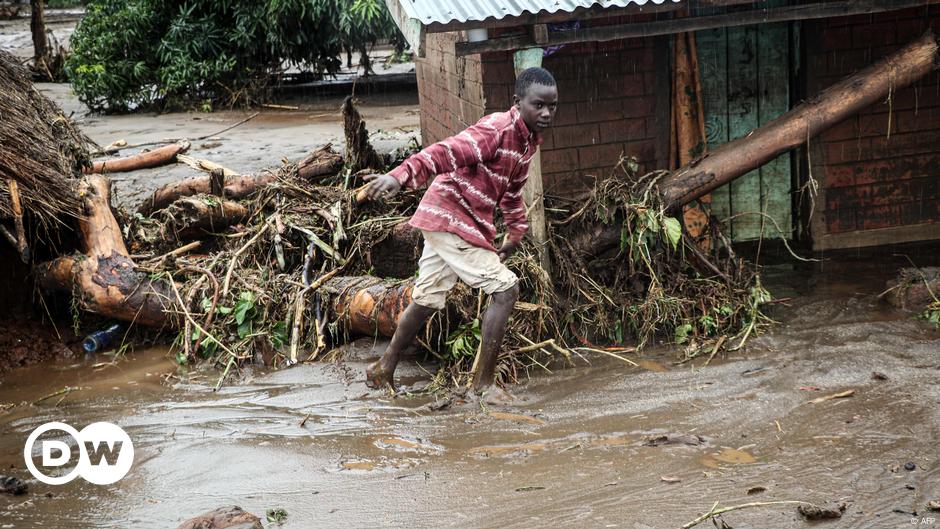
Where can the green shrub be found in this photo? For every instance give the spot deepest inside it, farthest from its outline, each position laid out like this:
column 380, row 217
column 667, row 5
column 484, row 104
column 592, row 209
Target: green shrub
column 128, row 54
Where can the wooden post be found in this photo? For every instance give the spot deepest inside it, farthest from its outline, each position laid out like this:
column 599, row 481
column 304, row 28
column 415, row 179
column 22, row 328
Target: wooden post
column 533, row 193
column 37, row 26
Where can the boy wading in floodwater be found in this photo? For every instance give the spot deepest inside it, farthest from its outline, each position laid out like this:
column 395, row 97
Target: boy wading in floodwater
column 483, row 167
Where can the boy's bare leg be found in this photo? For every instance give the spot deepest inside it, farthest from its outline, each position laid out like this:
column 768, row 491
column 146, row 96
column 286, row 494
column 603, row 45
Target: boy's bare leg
column 494, row 327
column 382, row 372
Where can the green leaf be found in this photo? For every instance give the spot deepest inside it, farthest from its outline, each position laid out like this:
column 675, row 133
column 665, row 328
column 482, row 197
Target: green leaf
column 244, row 329
column 276, row 515
column 651, row 221
column 673, row 231
column 682, row 333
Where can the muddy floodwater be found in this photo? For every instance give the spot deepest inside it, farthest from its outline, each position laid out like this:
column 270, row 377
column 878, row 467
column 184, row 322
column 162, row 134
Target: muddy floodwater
column 596, row 445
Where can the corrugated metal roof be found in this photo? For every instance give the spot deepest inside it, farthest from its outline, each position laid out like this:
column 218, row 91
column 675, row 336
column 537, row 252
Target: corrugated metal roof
column 444, row 11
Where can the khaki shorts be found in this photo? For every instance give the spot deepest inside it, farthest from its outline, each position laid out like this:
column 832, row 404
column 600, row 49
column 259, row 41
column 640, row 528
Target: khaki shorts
column 447, row 258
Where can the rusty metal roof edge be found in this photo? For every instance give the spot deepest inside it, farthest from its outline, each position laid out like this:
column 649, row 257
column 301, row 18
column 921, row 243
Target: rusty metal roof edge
column 445, row 11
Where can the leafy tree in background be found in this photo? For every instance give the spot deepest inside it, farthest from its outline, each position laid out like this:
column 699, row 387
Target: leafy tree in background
column 363, row 24
column 132, row 53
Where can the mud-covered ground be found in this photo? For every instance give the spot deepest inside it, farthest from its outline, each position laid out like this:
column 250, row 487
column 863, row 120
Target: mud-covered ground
column 573, row 451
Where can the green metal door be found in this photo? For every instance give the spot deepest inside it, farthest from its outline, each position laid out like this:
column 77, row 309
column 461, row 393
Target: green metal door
column 745, row 83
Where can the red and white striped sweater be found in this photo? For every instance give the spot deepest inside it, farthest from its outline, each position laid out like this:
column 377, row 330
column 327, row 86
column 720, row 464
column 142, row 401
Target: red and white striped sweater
column 483, row 167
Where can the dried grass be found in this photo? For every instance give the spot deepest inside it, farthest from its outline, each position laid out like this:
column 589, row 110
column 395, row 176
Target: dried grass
column 39, row 148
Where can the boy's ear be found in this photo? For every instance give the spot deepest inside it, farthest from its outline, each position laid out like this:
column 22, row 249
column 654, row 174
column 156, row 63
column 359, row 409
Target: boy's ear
column 515, row 99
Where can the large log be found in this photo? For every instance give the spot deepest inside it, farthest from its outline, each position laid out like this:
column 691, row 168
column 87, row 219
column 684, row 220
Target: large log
column 368, row 305
column 192, row 217
column 235, row 187
column 320, row 163
column 155, row 158
column 797, row 126
column 103, row 278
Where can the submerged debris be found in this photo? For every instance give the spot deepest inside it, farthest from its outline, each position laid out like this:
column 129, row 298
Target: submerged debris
column 12, row 485
column 828, row 511
column 223, row 517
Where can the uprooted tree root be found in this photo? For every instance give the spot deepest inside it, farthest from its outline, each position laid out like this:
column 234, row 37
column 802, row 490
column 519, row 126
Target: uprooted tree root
column 284, row 284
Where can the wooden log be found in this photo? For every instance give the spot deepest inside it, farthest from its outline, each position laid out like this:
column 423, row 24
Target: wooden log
column 37, row 26
column 240, row 186
column 217, row 182
column 21, row 244
column 155, row 158
column 320, row 163
column 193, row 217
column 533, row 193
column 205, row 165
column 104, row 279
column 235, row 187
column 796, row 127
column 359, row 151
column 368, row 305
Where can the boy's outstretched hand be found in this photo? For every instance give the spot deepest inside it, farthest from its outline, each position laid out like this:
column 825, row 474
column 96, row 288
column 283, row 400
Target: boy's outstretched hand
column 508, row 248
column 381, row 186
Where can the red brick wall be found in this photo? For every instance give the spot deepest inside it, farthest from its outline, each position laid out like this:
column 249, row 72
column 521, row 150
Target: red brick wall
column 606, row 108
column 870, row 180
column 450, row 90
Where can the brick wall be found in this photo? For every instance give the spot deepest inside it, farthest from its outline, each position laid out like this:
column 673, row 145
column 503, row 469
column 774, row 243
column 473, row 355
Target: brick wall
column 607, row 103
column 450, row 90
column 606, row 108
column 871, row 180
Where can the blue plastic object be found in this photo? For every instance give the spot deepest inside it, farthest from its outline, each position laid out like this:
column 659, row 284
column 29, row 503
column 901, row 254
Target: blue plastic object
column 98, row 340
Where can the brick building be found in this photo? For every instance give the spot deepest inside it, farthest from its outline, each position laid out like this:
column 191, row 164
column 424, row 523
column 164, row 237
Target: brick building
column 875, row 187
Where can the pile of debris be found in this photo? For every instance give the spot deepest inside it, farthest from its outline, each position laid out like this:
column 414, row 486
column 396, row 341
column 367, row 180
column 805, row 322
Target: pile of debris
column 276, row 267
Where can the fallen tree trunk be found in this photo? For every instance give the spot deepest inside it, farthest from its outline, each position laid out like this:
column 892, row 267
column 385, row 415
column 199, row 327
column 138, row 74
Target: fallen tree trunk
column 322, row 162
column 235, row 187
column 192, row 217
column 796, row 127
column 104, row 279
column 155, row 158
column 368, row 305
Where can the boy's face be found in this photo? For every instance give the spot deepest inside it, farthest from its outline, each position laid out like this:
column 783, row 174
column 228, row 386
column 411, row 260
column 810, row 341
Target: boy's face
column 538, row 106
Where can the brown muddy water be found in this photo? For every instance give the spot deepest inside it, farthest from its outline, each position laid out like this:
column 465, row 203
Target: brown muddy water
column 571, row 452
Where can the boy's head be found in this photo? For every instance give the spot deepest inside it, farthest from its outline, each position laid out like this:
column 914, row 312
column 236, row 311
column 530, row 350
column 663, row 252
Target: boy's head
column 536, row 98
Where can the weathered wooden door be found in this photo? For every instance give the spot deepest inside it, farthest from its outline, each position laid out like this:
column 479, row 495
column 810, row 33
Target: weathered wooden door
column 745, row 83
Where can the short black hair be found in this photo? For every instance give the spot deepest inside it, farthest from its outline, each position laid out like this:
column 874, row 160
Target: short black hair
column 531, row 76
